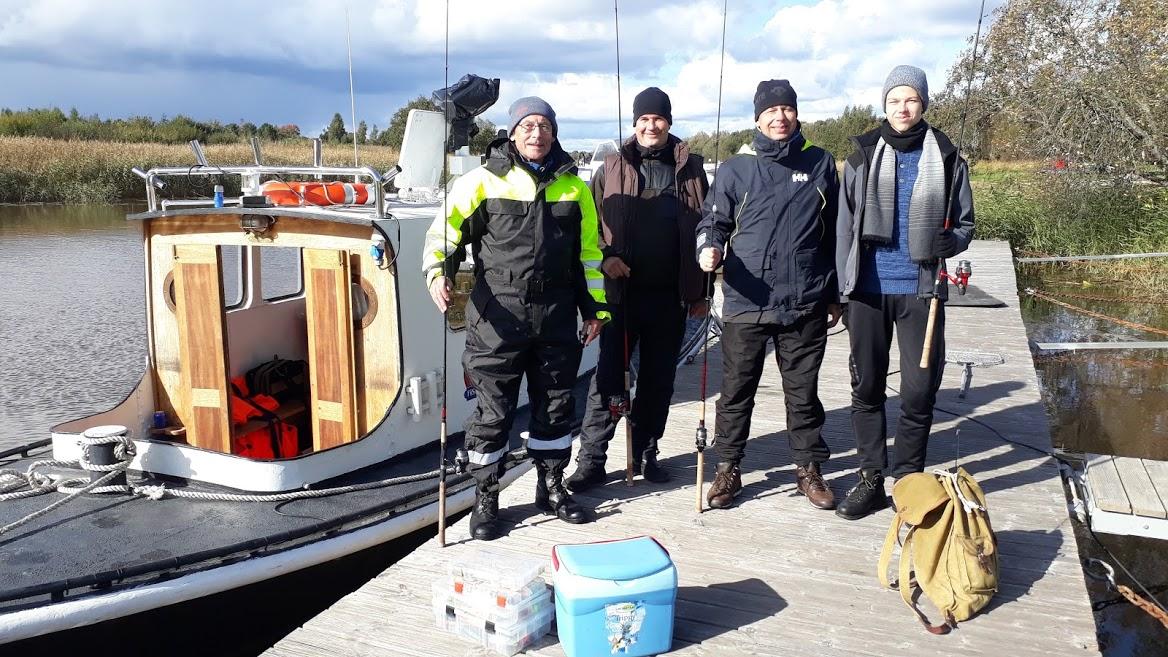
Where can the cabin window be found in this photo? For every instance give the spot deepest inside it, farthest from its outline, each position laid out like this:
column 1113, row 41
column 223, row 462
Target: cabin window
column 283, row 275
column 231, row 272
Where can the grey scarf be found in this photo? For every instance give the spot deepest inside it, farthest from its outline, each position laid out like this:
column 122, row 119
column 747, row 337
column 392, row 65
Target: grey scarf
column 926, row 211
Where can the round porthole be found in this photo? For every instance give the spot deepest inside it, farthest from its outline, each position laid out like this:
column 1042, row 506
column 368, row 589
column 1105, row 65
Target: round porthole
column 364, row 301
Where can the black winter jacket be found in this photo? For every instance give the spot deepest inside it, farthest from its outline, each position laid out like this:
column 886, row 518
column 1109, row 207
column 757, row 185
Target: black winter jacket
column 772, row 214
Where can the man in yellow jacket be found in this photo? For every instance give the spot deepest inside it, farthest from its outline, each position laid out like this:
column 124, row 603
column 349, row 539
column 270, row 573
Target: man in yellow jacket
column 532, row 226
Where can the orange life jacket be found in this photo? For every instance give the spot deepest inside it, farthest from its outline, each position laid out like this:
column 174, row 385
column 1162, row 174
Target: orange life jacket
column 318, row 193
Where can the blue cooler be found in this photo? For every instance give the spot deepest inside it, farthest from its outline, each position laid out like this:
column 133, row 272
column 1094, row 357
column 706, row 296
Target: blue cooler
column 614, row 597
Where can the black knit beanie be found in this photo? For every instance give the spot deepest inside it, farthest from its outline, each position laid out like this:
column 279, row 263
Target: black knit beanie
column 652, row 101
column 771, row 93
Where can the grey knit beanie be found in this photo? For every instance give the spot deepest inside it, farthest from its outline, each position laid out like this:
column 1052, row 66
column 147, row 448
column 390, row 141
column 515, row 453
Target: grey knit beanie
column 527, row 106
column 908, row 76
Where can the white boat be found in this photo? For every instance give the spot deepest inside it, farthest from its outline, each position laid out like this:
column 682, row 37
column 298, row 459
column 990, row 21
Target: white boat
column 338, row 287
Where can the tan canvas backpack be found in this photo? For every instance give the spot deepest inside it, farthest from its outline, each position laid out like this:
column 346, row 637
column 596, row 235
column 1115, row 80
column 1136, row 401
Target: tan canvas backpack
column 949, row 552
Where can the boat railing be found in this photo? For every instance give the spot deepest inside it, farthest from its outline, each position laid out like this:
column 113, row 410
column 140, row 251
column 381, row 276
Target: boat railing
column 250, row 177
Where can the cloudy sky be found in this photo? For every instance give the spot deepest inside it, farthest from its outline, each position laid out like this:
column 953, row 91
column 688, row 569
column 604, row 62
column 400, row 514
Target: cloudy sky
column 286, row 63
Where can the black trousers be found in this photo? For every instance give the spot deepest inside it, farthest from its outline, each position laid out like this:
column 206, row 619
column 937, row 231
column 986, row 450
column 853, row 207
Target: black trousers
column 510, row 335
column 656, row 322
column 799, row 351
column 871, row 319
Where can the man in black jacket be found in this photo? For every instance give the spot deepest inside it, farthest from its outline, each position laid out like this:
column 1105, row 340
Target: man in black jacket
column 649, row 197
column 770, row 222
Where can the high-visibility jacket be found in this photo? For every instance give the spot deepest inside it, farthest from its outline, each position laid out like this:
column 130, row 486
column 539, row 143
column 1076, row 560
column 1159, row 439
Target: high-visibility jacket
column 534, row 228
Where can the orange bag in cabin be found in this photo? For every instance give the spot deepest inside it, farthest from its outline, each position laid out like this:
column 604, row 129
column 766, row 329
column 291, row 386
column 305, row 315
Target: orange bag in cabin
column 276, row 440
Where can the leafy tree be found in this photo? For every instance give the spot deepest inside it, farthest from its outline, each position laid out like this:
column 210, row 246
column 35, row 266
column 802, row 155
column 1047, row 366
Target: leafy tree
column 289, row 131
column 834, row 134
column 373, row 135
column 396, row 131
column 1082, row 80
column 268, row 132
column 486, row 134
column 362, row 132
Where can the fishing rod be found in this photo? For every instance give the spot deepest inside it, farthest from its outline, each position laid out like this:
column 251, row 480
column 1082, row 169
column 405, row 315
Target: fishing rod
column 622, row 406
column 446, row 312
column 964, row 270
column 701, row 434
column 352, row 97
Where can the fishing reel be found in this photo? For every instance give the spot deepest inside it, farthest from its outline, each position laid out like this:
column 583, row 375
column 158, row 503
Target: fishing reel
column 618, row 406
column 700, row 440
column 461, row 460
column 960, row 278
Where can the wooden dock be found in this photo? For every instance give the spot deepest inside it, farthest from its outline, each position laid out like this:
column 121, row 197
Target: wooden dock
column 1127, row 496
column 774, row 576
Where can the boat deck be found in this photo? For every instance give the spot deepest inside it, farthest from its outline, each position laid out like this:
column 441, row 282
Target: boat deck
column 774, row 576
column 1127, row 496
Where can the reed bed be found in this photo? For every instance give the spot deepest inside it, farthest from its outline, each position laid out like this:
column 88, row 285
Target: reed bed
column 40, row 170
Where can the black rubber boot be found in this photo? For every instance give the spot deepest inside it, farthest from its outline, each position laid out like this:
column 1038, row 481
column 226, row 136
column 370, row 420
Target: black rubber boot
column 868, row 496
column 553, row 499
column 587, row 475
column 652, row 471
column 484, row 518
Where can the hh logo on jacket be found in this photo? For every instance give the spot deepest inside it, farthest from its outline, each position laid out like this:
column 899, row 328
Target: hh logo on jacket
column 799, row 177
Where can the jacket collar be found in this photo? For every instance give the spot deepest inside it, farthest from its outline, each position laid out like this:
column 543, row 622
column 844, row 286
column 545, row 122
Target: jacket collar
column 502, row 156
column 766, row 147
column 680, row 151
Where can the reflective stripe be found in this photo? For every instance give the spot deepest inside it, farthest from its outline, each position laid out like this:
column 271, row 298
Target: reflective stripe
column 592, row 264
column 547, row 444
column 482, row 458
column 595, row 284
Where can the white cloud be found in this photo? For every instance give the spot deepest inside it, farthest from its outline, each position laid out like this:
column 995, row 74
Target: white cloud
column 835, row 52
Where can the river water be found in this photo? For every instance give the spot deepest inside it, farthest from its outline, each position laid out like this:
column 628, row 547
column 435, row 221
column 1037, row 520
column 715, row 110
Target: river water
column 72, row 336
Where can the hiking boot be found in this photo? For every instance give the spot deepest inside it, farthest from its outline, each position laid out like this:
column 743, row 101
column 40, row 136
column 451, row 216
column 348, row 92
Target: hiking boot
column 727, row 485
column 652, row 471
column 866, row 497
column 811, row 484
column 484, row 518
column 587, row 475
column 551, row 497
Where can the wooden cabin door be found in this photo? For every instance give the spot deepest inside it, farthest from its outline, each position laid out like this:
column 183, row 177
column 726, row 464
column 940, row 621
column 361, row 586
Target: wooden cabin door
column 198, row 296
column 330, row 347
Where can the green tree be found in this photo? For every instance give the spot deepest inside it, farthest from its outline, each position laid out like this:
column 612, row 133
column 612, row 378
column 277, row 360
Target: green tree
column 362, row 132
column 268, row 132
column 484, row 137
column 396, row 131
column 335, row 132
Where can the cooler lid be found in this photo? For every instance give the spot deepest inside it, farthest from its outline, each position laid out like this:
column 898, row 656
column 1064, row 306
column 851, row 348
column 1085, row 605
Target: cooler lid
column 613, row 560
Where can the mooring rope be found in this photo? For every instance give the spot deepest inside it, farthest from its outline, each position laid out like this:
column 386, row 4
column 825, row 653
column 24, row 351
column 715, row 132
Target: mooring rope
column 1146, row 300
column 38, row 483
column 1097, row 315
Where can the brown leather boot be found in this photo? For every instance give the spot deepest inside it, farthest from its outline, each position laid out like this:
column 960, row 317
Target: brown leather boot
column 811, row 484
column 727, row 485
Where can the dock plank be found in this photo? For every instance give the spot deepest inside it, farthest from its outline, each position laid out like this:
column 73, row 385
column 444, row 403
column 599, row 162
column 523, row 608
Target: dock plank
column 1106, row 486
column 1158, row 475
column 1141, row 492
column 774, row 576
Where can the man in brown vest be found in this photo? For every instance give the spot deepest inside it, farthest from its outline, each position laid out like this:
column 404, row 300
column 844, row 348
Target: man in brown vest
column 649, row 197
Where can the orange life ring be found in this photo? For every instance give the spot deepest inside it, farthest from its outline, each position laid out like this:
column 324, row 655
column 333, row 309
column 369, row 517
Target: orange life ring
column 318, row 193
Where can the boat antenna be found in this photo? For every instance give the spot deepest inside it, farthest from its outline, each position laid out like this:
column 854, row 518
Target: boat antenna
column 445, row 313
column 942, row 274
column 623, row 406
column 702, row 434
column 352, row 97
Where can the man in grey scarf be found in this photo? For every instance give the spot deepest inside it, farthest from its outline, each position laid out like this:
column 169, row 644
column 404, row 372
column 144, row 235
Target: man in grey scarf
column 905, row 205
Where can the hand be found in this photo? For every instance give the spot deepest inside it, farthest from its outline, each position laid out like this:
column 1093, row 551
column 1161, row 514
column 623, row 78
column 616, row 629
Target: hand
column 591, row 330
column 709, row 258
column 698, row 309
column 945, row 244
column 440, row 290
column 834, row 312
column 614, row 267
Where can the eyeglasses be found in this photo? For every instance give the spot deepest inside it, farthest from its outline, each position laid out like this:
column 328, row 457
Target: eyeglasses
column 528, row 128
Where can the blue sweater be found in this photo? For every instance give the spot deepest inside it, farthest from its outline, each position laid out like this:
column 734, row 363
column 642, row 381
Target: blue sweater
column 887, row 268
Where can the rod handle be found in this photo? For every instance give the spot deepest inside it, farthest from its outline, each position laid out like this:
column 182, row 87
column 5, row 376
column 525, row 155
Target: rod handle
column 927, row 349
column 701, row 481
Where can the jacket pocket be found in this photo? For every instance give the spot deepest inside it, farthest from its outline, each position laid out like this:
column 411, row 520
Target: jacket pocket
column 812, row 276
column 749, row 278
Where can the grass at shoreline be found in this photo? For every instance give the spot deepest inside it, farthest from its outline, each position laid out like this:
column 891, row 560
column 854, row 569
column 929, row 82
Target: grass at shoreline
column 39, row 170
column 1036, row 209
